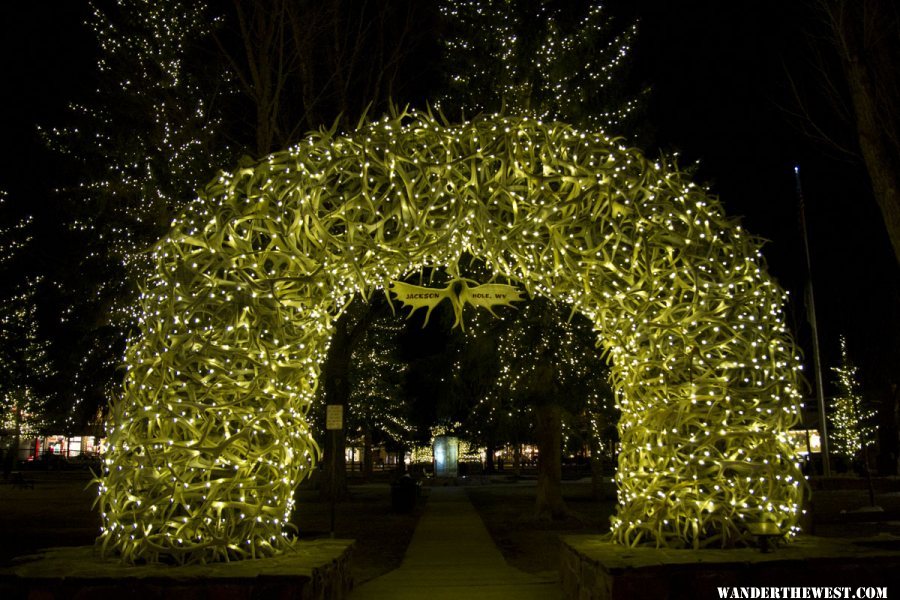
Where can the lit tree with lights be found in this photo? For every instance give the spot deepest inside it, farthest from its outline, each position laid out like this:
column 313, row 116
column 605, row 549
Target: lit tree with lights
column 150, row 137
column 370, row 385
column 378, row 409
column 182, row 92
column 25, row 365
column 527, row 377
column 143, row 143
column 552, row 59
column 487, row 419
column 551, row 369
column 852, row 428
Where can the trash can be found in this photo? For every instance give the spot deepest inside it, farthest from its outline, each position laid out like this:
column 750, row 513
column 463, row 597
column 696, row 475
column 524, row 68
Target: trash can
column 404, row 493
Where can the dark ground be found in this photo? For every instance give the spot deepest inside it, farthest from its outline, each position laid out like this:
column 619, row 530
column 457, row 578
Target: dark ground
column 58, row 512
column 381, row 534
column 532, row 544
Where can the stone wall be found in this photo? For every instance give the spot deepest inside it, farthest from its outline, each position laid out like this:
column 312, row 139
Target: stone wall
column 316, row 570
column 594, row 569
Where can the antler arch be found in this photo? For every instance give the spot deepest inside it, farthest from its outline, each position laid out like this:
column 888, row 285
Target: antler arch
column 210, row 437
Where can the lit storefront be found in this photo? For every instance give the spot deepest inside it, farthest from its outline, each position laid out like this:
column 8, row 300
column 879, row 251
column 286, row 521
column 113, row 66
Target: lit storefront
column 66, row 447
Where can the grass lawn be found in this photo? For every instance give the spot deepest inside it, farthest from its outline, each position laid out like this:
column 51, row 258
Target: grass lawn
column 57, row 511
column 532, row 544
column 381, row 535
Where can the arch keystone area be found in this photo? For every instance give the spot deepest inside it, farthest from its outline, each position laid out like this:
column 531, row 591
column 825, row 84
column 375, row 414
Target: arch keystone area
column 210, row 436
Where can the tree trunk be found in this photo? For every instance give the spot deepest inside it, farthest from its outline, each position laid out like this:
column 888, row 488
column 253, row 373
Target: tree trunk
column 368, row 468
column 489, row 458
column 548, row 429
column 876, row 153
column 517, row 460
column 401, row 461
column 9, row 461
column 856, row 31
column 596, row 468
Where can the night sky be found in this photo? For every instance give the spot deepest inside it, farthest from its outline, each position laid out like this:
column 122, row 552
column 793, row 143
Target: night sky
column 719, row 96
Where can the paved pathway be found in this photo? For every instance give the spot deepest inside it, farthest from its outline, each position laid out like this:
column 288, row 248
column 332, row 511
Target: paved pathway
column 452, row 555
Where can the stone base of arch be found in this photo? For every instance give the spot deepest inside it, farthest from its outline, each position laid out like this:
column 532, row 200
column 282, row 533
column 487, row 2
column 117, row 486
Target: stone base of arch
column 591, row 567
column 318, row 569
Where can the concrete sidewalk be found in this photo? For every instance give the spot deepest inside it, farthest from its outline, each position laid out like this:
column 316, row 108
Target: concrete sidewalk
column 451, row 555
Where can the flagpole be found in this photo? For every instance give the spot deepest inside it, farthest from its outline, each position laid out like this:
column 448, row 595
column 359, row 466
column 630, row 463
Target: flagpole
column 817, row 361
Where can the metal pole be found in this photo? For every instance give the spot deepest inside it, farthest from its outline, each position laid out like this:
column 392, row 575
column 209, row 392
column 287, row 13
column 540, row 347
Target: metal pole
column 817, row 361
column 334, row 421
column 333, row 477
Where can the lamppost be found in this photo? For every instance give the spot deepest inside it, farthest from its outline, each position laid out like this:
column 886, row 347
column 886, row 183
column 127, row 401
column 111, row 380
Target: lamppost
column 817, row 360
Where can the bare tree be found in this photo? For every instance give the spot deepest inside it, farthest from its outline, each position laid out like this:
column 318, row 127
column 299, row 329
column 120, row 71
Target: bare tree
column 304, row 64
column 855, row 62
